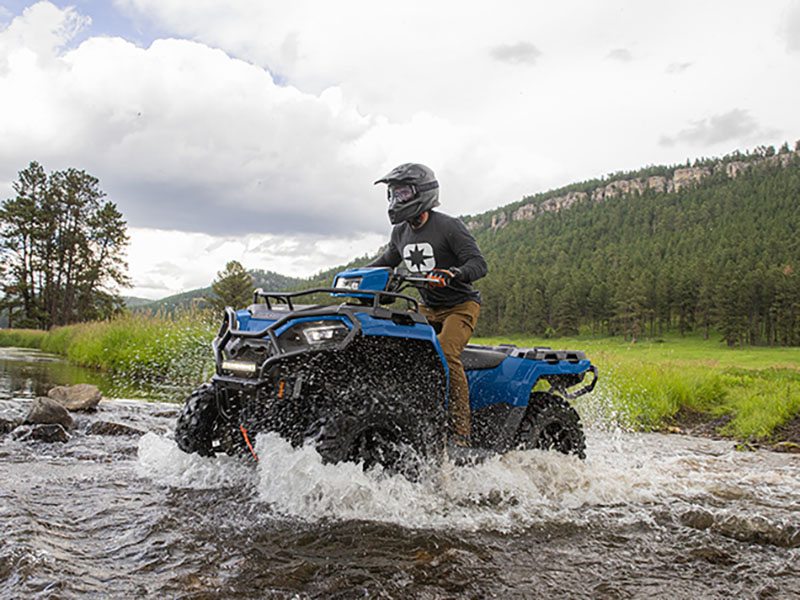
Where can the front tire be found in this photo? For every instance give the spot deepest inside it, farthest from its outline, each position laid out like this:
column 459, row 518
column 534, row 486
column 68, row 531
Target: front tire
column 550, row 423
column 194, row 431
column 386, row 432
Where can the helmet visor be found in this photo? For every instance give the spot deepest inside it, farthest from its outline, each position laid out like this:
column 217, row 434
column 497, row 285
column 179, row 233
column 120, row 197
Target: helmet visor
column 401, row 193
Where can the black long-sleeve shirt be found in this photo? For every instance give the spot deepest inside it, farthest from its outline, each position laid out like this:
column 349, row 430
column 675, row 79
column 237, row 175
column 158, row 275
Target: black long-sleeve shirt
column 443, row 242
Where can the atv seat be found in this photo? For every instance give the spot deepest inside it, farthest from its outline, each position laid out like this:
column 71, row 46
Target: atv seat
column 481, row 358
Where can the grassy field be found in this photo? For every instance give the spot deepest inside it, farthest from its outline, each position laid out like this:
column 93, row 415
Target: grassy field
column 746, row 392
column 652, row 384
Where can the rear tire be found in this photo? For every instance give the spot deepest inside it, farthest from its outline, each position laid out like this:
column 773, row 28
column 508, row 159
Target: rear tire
column 194, row 431
column 550, row 423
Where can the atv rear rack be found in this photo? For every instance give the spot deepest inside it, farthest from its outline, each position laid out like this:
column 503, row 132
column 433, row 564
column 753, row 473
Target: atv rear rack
column 582, row 391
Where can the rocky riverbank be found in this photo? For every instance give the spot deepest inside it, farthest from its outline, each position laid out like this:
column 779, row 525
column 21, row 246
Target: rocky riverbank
column 67, row 411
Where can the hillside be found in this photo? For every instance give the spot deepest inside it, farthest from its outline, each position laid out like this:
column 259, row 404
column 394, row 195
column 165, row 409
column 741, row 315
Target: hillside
column 134, row 301
column 712, row 246
column 263, row 279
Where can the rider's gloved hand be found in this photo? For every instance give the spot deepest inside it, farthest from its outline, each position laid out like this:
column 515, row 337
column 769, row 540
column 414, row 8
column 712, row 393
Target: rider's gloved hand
column 443, row 277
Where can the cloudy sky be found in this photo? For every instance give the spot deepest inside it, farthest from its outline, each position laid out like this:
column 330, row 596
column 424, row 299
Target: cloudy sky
column 254, row 130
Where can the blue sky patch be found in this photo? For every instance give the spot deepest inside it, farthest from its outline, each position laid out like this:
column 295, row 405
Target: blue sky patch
column 107, row 20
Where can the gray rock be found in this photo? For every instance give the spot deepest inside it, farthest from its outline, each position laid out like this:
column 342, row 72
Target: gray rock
column 167, row 414
column 83, row 396
column 7, row 425
column 110, row 428
column 41, row 433
column 46, row 411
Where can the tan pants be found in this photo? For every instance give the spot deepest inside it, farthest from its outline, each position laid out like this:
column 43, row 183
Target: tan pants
column 457, row 324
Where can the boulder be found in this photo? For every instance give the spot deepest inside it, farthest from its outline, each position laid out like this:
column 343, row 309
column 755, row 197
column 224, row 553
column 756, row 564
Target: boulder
column 46, row 411
column 7, row 426
column 787, row 447
column 83, row 396
column 110, row 428
column 42, row 433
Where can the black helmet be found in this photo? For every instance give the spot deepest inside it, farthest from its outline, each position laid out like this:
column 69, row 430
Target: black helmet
column 412, row 189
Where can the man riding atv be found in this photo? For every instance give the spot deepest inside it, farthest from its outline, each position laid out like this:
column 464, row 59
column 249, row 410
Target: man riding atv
column 440, row 247
column 361, row 373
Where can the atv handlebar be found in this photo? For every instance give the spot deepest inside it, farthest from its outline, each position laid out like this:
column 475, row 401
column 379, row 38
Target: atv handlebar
column 412, row 280
column 402, row 281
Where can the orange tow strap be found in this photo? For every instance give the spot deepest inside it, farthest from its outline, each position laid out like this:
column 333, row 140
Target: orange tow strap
column 247, row 441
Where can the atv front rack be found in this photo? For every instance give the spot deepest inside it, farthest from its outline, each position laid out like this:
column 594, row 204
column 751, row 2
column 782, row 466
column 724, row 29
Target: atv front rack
column 269, row 334
column 287, row 297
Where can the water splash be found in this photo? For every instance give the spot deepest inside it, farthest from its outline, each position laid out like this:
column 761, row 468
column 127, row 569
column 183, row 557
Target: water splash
column 161, row 460
column 505, row 493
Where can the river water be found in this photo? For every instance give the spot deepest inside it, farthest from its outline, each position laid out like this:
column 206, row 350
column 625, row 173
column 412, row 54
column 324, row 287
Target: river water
column 644, row 516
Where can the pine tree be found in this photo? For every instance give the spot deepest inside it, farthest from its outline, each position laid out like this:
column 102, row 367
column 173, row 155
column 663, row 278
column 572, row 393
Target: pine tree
column 62, row 250
column 232, row 287
column 732, row 309
column 565, row 312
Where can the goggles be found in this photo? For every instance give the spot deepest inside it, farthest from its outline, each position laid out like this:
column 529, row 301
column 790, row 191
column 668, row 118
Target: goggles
column 401, row 193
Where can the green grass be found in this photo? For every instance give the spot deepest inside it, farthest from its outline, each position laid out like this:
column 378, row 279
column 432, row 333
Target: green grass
column 651, row 384
column 647, row 385
column 22, row 338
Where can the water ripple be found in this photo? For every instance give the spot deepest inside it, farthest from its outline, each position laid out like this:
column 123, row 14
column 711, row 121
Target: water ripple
column 644, row 515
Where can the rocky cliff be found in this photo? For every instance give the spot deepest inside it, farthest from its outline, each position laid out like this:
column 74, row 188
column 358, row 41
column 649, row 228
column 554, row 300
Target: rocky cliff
column 681, row 178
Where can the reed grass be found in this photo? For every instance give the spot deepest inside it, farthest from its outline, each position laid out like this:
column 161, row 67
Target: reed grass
column 143, row 349
column 22, row 338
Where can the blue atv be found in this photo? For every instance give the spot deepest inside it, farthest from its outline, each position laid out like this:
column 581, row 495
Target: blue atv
column 365, row 380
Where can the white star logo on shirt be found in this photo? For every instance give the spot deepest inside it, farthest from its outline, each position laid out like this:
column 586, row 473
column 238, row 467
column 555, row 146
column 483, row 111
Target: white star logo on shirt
column 419, row 257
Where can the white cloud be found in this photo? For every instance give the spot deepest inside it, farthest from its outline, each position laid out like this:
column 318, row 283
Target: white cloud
column 40, row 31
column 678, row 67
column 520, row 53
column 272, row 119
column 791, row 26
column 185, row 137
column 168, row 262
column 620, row 54
column 736, row 124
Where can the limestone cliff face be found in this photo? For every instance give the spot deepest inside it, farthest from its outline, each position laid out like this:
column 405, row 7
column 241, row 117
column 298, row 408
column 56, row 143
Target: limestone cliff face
column 681, row 179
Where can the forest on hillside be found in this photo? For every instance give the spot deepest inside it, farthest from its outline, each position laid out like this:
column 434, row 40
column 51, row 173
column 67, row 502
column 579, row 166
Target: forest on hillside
column 719, row 257
column 723, row 256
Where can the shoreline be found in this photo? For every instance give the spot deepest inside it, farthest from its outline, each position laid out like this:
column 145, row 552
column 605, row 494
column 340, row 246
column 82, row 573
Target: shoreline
column 785, row 438
column 750, row 396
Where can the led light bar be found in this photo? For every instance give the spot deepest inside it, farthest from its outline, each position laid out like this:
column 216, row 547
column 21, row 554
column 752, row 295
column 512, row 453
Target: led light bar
column 239, row 366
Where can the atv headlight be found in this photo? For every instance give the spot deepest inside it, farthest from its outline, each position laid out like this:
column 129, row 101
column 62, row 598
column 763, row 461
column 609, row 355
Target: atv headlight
column 348, row 283
column 239, row 367
column 325, row 333
column 313, row 333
